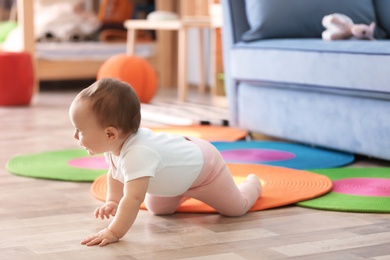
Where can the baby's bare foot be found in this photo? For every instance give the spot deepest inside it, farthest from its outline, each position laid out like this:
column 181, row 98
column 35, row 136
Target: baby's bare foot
column 256, row 181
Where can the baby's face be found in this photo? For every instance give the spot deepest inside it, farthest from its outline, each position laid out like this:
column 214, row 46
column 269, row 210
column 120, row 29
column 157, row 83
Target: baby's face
column 88, row 132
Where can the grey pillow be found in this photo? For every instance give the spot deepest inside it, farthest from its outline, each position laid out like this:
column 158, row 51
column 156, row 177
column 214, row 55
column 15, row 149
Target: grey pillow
column 301, row 18
column 383, row 14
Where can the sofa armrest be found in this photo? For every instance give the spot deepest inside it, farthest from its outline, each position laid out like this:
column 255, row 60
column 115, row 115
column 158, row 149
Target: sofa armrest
column 234, row 25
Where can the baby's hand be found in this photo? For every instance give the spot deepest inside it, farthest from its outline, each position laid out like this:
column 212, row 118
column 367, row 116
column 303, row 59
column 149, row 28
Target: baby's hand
column 109, row 208
column 102, row 238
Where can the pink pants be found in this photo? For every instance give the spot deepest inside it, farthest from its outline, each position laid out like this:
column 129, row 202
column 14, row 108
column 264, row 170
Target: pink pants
column 214, row 186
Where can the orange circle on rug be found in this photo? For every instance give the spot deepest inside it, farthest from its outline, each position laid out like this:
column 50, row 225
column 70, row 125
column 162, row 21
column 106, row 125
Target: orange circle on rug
column 281, row 186
column 207, row 132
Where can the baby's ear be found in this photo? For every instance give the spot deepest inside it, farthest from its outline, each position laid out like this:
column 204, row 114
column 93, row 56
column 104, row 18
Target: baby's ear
column 112, row 132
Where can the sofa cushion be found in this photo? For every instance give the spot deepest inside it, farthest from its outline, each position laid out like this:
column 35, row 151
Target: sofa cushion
column 302, row 18
column 345, row 122
column 383, row 16
column 348, row 64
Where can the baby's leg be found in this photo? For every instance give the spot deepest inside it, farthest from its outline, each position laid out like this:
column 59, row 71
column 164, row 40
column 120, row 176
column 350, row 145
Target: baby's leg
column 226, row 197
column 163, row 205
column 215, row 185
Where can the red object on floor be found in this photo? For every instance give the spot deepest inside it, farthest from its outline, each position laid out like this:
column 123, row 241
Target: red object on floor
column 16, row 78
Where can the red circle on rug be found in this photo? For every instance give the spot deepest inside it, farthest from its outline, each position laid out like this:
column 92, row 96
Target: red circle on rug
column 256, row 155
column 97, row 163
column 376, row 187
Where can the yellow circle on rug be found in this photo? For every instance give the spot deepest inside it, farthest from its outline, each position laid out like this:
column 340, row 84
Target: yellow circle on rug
column 180, row 132
column 281, row 186
column 206, row 132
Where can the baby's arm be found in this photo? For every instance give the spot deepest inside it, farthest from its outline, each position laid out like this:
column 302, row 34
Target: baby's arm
column 114, row 189
column 114, row 195
column 134, row 194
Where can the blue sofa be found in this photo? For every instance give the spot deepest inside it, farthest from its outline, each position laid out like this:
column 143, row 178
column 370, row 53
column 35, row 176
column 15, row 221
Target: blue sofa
column 283, row 80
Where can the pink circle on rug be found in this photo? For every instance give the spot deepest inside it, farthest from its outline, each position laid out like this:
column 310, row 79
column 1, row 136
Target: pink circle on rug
column 378, row 187
column 97, row 163
column 256, row 155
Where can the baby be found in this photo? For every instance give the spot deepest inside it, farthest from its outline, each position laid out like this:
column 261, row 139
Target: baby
column 160, row 169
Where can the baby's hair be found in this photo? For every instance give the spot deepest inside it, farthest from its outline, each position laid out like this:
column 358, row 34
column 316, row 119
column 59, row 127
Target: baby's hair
column 114, row 103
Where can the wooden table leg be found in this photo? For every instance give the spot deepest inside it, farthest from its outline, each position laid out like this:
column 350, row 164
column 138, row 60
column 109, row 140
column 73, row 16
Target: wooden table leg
column 166, row 48
column 130, row 44
column 216, row 63
column 202, row 74
column 182, row 65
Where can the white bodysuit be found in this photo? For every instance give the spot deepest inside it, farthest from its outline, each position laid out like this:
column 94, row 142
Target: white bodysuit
column 172, row 162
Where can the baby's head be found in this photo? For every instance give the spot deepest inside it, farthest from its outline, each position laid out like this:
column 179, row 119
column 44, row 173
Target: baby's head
column 114, row 103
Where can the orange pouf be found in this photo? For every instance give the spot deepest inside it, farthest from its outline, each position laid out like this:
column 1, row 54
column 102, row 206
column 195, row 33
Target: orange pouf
column 134, row 70
column 16, row 78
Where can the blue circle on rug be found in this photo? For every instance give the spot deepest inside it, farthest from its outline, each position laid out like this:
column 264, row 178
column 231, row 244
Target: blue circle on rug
column 290, row 155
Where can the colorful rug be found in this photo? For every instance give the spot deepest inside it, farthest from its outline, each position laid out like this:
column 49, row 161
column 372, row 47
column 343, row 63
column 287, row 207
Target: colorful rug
column 77, row 165
column 68, row 165
column 281, row 186
column 355, row 190
column 283, row 154
column 206, row 132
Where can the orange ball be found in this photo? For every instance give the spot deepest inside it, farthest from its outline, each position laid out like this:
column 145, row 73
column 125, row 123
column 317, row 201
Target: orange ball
column 134, row 70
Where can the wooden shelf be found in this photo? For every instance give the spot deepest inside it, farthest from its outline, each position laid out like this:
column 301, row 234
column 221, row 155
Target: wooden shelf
column 166, row 25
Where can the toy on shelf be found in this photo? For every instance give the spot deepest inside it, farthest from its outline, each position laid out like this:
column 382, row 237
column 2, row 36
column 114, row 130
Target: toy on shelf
column 339, row 26
column 162, row 16
column 64, row 21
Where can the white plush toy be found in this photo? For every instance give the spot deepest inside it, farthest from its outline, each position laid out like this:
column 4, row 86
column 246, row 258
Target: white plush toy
column 63, row 20
column 340, row 26
column 56, row 20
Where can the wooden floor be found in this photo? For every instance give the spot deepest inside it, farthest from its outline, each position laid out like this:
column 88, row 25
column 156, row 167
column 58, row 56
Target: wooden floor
column 45, row 219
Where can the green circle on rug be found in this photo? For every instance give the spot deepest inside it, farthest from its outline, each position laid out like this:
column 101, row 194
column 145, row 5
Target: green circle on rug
column 354, row 190
column 55, row 165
